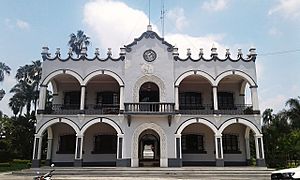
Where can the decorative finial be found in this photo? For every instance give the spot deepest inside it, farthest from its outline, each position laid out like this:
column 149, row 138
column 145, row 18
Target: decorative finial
column 149, row 27
column 109, row 53
column 97, row 53
column 240, row 53
column 201, row 52
column 175, row 51
column 227, row 54
column 213, row 51
column 70, row 53
column 57, row 53
column 188, row 52
column 83, row 51
column 252, row 51
column 122, row 51
column 45, row 52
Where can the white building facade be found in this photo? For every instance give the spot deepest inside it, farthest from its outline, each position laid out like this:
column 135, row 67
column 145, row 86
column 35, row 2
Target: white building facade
column 148, row 107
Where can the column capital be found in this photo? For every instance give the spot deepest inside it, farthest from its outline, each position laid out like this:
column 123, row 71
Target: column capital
column 177, row 135
column 120, row 135
column 44, row 86
column 218, row 135
column 251, row 87
column 214, row 86
column 122, row 86
column 37, row 136
column 82, row 86
column 258, row 135
column 176, row 86
column 79, row 135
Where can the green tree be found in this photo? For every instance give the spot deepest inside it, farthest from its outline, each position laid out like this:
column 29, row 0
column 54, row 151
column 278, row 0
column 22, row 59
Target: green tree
column 294, row 112
column 4, row 69
column 78, row 41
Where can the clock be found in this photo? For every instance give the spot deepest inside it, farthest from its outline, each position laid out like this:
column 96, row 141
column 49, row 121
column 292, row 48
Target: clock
column 149, row 55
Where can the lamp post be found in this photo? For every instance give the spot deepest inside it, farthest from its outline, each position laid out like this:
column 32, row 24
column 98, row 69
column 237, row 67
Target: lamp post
column 2, row 93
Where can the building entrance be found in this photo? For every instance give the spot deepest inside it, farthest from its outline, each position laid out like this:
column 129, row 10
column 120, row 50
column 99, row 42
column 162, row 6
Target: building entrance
column 149, row 149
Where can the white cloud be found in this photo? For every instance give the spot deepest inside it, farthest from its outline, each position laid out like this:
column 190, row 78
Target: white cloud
column 215, row 5
column 273, row 31
column 286, row 8
column 177, row 17
column 21, row 24
column 275, row 102
column 125, row 23
column 114, row 23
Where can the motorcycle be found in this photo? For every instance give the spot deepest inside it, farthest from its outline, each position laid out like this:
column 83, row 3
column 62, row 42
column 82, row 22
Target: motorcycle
column 46, row 176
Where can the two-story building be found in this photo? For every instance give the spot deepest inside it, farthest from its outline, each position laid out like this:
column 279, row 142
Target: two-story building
column 148, row 107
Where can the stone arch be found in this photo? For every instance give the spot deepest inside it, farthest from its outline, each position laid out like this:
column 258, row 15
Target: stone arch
column 242, row 74
column 245, row 122
column 196, row 72
column 62, row 71
column 163, row 144
column 49, row 123
column 151, row 78
column 197, row 120
column 106, row 72
column 104, row 120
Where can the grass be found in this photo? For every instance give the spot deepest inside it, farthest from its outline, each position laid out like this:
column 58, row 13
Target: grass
column 14, row 165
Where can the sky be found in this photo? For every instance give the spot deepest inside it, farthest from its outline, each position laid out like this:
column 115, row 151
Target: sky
column 272, row 26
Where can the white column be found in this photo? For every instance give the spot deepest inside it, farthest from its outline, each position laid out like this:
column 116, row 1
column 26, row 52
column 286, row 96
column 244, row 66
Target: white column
column 37, row 147
column 256, row 147
column 120, row 142
column 42, row 97
column 79, row 144
column 49, row 149
column 82, row 98
column 176, row 108
column 254, row 98
column 178, row 146
column 247, row 143
column 219, row 146
column 121, row 98
column 215, row 97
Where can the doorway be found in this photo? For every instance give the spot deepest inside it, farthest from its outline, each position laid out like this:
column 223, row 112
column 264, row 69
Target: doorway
column 149, row 149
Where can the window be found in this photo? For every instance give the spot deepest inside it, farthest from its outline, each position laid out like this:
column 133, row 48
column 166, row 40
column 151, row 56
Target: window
column 105, row 144
column 225, row 100
column 67, row 144
column 190, row 101
column 230, row 143
column 72, row 100
column 192, row 143
column 107, row 97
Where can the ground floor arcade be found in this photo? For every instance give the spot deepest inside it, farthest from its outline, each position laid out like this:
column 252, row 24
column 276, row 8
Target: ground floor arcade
column 111, row 142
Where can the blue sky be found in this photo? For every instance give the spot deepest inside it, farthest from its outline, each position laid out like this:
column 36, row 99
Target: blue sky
column 269, row 25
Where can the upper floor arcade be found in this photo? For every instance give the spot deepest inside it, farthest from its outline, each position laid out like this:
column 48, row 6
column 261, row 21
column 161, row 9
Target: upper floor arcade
column 149, row 77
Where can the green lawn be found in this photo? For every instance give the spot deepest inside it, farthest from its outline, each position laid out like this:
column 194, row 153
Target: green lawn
column 14, row 165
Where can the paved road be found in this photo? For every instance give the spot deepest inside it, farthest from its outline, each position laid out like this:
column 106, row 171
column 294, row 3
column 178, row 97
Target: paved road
column 9, row 176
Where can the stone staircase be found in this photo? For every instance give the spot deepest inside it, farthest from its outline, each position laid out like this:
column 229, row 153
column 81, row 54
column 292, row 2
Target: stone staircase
column 258, row 173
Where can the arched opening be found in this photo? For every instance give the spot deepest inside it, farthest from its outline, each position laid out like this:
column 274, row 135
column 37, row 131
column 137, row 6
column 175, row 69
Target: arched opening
column 197, row 145
column 149, row 92
column 195, row 95
column 238, row 145
column 102, row 95
column 100, row 145
column 58, row 144
column 64, row 95
column 233, row 95
column 149, row 149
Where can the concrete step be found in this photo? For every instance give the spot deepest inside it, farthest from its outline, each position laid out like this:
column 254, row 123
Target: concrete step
column 184, row 172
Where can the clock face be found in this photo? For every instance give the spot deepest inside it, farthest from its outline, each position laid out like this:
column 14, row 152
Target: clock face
column 149, row 55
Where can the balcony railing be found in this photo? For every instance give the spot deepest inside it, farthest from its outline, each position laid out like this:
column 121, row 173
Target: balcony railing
column 236, row 109
column 225, row 109
column 149, row 108
column 102, row 109
column 196, row 109
column 89, row 109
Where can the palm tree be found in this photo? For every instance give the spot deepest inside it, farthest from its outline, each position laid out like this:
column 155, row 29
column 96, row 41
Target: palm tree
column 78, row 41
column 4, row 69
column 294, row 112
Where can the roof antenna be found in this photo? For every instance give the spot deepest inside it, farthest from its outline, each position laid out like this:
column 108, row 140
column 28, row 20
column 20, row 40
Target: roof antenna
column 149, row 12
column 162, row 18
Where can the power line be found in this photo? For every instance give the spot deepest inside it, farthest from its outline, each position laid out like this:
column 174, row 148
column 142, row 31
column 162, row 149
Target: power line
column 280, row 52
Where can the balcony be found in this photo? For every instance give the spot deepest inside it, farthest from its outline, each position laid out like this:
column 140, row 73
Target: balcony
column 89, row 109
column 149, row 108
column 237, row 109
